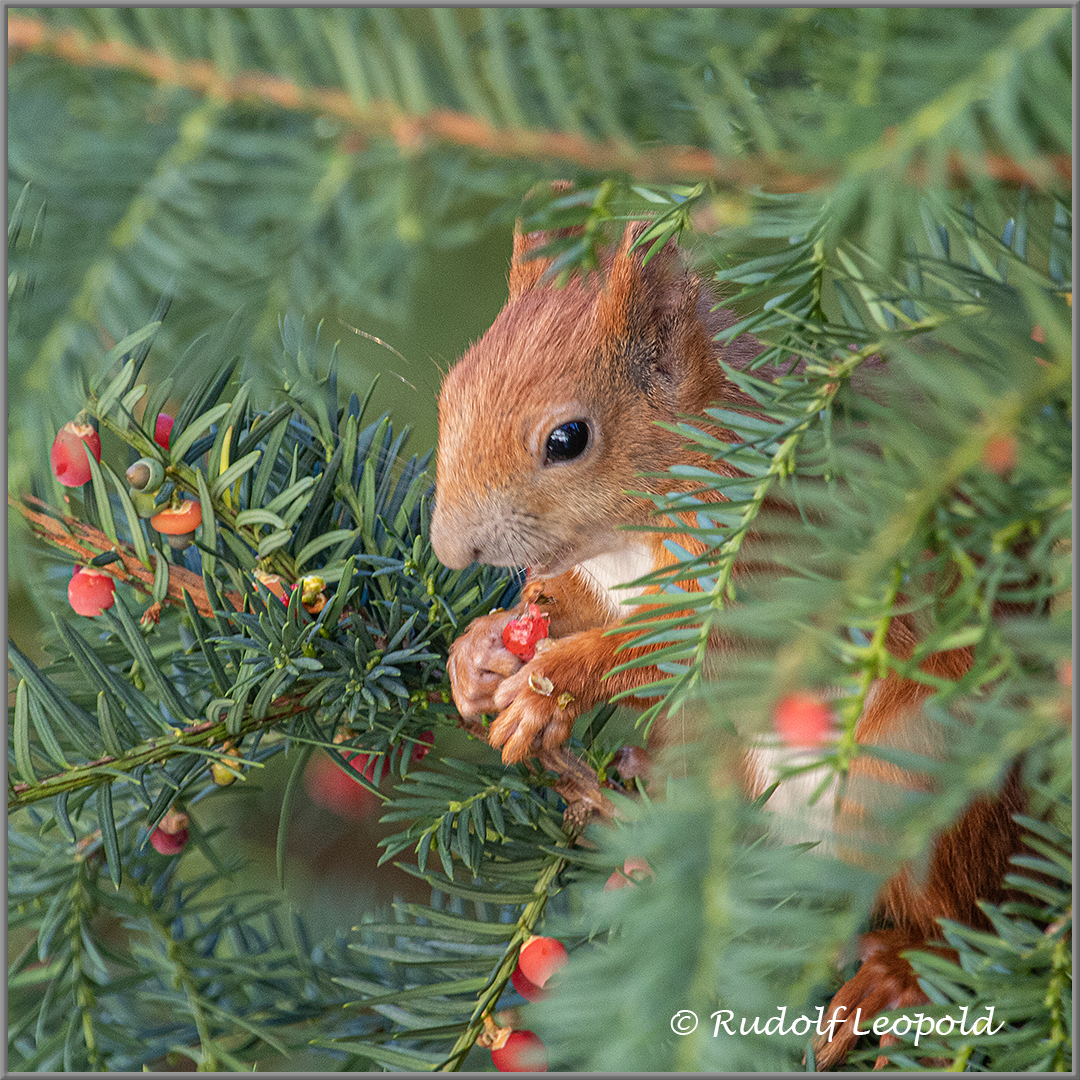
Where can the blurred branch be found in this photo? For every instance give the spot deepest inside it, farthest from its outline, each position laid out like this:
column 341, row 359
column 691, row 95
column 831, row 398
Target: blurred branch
column 578, row 785
column 775, row 172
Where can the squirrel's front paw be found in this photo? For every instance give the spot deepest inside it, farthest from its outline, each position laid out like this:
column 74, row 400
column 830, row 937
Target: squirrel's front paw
column 534, row 710
column 478, row 664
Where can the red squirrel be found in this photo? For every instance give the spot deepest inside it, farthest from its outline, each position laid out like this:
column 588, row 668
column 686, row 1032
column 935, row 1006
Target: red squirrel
column 545, row 424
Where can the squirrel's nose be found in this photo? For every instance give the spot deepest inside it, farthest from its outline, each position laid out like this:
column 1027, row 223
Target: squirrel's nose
column 452, row 548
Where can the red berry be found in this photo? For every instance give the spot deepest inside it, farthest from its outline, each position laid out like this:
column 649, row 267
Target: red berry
column 521, row 634
column 999, row 454
column 68, row 456
column 522, row 1052
column 91, row 591
column 177, row 520
column 802, row 720
column 540, row 958
column 332, row 789
column 362, row 764
column 422, row 748
column 275, row 584
column 171, row 834
column 633, row 871
column 168, row 843
column 528, row 990
column 162, row 427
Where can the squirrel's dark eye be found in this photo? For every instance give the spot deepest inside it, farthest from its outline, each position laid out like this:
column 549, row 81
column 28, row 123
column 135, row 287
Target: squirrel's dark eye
column 567, row 441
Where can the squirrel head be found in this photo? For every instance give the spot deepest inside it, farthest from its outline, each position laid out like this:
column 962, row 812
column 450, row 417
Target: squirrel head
column 549, row 419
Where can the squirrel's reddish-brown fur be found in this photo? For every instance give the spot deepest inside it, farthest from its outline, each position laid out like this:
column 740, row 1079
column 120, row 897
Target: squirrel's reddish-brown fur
column 630, row 346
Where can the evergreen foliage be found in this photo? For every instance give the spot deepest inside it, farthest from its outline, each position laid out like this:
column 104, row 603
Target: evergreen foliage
column 884, row 196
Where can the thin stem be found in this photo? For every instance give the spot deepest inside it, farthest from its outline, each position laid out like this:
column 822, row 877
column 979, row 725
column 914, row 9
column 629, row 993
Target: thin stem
column 184, row 979
column 82, row 909
column 153, row 751
column 525, row 924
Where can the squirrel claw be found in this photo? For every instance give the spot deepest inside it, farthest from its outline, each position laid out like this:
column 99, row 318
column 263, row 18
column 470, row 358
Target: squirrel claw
column 530, row 718
column 515, row 741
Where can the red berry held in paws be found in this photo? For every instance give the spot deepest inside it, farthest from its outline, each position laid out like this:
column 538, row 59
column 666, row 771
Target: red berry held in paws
column 521, row 634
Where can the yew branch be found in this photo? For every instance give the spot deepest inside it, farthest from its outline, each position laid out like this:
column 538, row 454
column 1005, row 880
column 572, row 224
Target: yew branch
column 154, row 751
column 776, row 172
column 86, row 542
column 576, row 782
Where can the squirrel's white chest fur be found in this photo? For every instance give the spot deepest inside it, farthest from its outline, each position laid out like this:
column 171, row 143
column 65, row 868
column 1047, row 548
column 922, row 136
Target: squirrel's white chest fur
column 793, row 821
column 604, row 574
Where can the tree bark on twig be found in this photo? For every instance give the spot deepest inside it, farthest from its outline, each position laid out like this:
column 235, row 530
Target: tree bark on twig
column 85, row 543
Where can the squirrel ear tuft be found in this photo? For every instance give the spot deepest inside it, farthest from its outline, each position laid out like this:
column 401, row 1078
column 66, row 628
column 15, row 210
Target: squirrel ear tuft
column 525, row 273
column 642, row 293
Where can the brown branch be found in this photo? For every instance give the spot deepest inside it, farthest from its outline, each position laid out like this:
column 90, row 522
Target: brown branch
column 86, row 542
column 775, row 173
column 579, row 786
column 409, row 131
